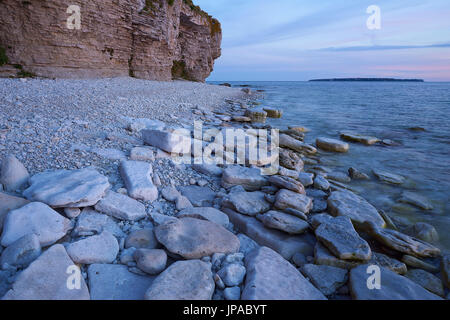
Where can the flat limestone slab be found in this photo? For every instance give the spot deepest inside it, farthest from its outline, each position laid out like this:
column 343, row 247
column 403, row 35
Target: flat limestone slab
column 115, row 282
column 271, row 277
column 121, row 207
column 138, row 180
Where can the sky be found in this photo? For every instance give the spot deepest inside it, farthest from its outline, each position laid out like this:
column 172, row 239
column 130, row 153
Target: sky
column 296, row 40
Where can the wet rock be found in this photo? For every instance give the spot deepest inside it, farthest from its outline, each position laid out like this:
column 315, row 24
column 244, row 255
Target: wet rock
column 290, row 160
column 102, row 248
column 199, row 196
column 339, row 236
column 232, row 274
column 424, row 231
column 288, row 199
column 250, row 178
column 121, row 207
column 287, row 183
column 321, row 183
column 283, row 222
column 357, row 175
column 91, row 222
column 354, row 137
column 21, row 252
column 241, row 119
column 142, row 154
column 115, row 282
column 8, row 203
column 338, row 176
column 194, row 238
column 183, row 280
column 143, row 238
column 13, row 175
column 46, row 279
column 417, row 263
column 388, row 177
column 248, row 203
column 416, row 200
column 167, row 141
column 273, row 113
column 208, row 169
column 287, row 141
column 63, row 188
column 286, row 282
column 325, row 278
column 346, row 203
column 403, row 243
column 393, row 287
column 206, row 213
column 233, row 293
column 333, row 145
column 392, row 264
column 426, row 280
column 286, row 245
column 299, row 129
column 151, row 261
column 138, row 180
column 35, row 217
column 256, row 115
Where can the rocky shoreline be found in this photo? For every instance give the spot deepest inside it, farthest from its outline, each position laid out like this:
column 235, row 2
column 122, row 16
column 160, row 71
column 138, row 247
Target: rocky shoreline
column 102, row 193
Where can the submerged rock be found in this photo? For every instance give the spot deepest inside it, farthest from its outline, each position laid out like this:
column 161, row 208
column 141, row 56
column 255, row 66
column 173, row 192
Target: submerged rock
column 355, row 174
column 333, row 145
column 423, row 231
column 416, row 200
column 388, row 177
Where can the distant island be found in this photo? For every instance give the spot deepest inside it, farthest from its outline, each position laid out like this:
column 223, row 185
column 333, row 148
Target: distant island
column 371, row 79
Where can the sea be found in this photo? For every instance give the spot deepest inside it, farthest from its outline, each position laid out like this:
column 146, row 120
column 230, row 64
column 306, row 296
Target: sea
column 386, row 110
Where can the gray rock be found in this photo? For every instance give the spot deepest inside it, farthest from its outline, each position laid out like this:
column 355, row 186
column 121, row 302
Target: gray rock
column 138, row 180
column 333, row 145
column 296, row 213
column 232, row 274
column 208, row 169
column 338, row 176
column 416, row 200
column 388, row 177
column 339, row 236
column 142, row 154
column 357, row 175
column 291, row 160
column 193, row 238
column 159, row 219
column 170, row 193
column 199, row 196
column 13, row 175
column 355, row 137
column 321, row 183
column 250, row 178
column 322, row 256
column 121, row 207
column 91, row 222
column 115, row 282
column 21, row 252
column 206, row 213
column 346, row 203
column 233, row 293
column 247, row 244
column 143, row 238
column 299, row 259
column 136, row 125
column 306, row 178
column 46, row 278
column 286, row 245
column 413, row 262
column 182, row 203
column 102, row 248
column 392, row 264
column 38, row 218
column 183, row 280
column 445, row 266
column 167, row 141
column 287, row 183
column 393, row 286
column 270, row 277
column 289, row 142
column 8, row 203
column 248, row 203
column 283, row 222
column 426, row 280
column 424, row 231
column 72, row 213
column 325, row 278
column 127, row 256
column 63, row 188
column 151, row 261
column 288, row 199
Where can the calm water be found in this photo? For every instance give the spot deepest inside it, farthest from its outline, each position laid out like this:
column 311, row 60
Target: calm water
column 384, row 110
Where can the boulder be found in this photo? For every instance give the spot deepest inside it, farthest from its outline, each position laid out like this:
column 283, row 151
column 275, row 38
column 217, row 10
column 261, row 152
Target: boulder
column 273, row 113
column 392, row 264
column 38, row 218
column 325, row 278
column 165, row 140
column 248, row 203
column 121, row 207
column 256, row 115
column 64, row 188
column 393, row 286
column 388, row 177
column 426, row 280
column 287, row 183
column 233, row 293
column 21, row 252
column 13, row 175
column 354, row 137
column 250, row 178
column 206, row 213
column 333, row 145
column 8, row 203
column 232, row 274
column 290, row 160
column 151, row 261
column 115, row 282
column 322, row 256
column 91, row 222
column 288, row 199
column 270, row 277
column 47, row 278
column 305, row 178
column 321, row 183
column 283, row 222
column 193, row 238
column 102, row 248
column 198, row 196
column 143, row 238
column 183, row 280
column 137, row 176
column 289, row 142
column 346, row 203
column 338, row 176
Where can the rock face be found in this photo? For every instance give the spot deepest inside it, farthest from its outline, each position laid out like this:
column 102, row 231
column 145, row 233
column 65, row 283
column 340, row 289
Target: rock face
column 47, row 279
column 270, row 277
column 154, row 39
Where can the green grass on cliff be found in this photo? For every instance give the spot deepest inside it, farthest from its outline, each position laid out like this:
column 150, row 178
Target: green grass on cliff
column 3, row 57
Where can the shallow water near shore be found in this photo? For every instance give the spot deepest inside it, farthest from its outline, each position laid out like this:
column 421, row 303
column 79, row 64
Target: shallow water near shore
column 386, row 111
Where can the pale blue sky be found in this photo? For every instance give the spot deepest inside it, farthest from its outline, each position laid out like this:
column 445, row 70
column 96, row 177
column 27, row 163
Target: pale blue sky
column 300, row 40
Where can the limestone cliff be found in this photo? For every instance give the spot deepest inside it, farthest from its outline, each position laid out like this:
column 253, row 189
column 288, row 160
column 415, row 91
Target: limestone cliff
column 150, row 39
